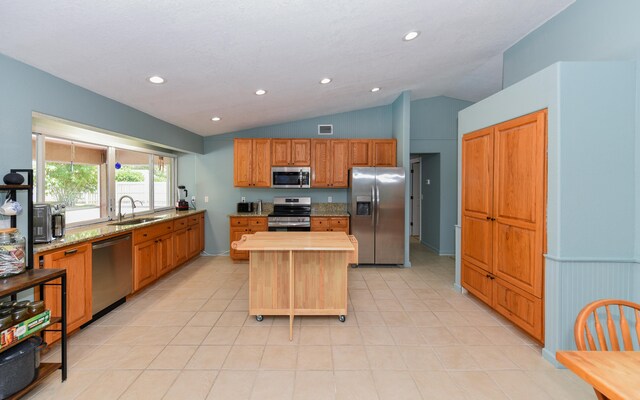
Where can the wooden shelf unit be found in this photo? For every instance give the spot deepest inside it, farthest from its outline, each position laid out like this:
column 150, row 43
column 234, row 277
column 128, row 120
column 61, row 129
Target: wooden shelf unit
column 40, row 278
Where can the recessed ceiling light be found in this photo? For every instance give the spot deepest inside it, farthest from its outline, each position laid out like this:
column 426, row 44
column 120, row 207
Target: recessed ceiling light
column 216, row 119
column 260, row 92
column 411, row 35
column 156, row 79
column 375, row 89
column 324, row 81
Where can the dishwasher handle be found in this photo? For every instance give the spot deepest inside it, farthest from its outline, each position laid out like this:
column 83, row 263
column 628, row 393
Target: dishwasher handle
column 110, row 242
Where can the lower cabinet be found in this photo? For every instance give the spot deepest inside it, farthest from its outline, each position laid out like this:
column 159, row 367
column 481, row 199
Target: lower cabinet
column 76, row 260
column 244, row 226
column 330, row 224
column 145, row 264
column 180, row 246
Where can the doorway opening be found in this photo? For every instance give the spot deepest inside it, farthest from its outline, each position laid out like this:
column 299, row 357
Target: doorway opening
column 416, row 199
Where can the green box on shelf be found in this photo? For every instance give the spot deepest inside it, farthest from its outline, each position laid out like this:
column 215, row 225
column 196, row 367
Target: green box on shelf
column 24, row 328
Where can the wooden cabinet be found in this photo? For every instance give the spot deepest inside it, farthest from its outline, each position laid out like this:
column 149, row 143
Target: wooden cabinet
column 383, row 152
column 329, row 163
column 180, row 246
column 152, row 253
column 194, row 233
column 252, row 162
column 330, row 224
column 290, row 152
column 244, row 226
column 503, row 216
column 372, row 152
column 76, row 260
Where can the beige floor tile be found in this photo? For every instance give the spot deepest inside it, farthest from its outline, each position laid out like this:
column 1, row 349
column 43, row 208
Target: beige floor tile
column 413, row 305
column 215, row 305
column 150, row 385
column 314, row 385
column 253, row 335
column 110, row 385
column 404, row 336
column 395, row 385
column 191, row 335
column 518, row 386
column 468, row 335
column 355, row 385
column 388, row 305
column 438, row 336
column 500, row 335
column 95, row 335
column 369, row 318
column 562, row 384
column 451, row 318
column 376, row 335
column 396, row 318
column 315, row 335
column 490, row 357
column 77, row 381
column 244, row 357
column 420, row 358
column 158, row 337
column 478, row 385
column 205, row 318
column 232, row 318
column 125, row 335
column 385, row 357
column 236, row 385
column 192, row 385
column 342, row 335
column 279, row 335
column 104, row 357
column 173, row 357
column 273, row 385
column 314, row 358
column 138, row 357
column 455, row 358
column 526, row 358
column 208, row 357
column 279, row 358
column 349, row 357
column 222, row 335
column 437, row 385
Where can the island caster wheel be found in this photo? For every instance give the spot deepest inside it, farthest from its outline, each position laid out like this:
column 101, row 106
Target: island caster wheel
column 259, row 318
column 342, row 318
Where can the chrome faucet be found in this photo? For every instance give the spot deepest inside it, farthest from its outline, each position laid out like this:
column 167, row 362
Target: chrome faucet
column 133, row 207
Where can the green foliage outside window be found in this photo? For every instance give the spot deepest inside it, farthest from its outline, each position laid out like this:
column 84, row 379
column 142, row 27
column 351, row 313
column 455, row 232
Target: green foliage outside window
column 67, row 184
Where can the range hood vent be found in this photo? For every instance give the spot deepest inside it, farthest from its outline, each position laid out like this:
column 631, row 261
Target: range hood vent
column 325, row 129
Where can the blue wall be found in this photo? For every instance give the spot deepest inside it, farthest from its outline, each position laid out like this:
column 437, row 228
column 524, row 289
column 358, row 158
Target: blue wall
column 401, row 120
column 431, row 206
column 434, row 130
column 590, row 225
column 24, row 89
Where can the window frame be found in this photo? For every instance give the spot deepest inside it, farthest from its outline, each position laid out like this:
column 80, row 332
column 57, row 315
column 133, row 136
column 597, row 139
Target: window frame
column 112, row 202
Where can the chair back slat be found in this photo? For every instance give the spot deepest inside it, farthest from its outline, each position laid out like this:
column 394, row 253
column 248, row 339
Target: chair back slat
column 613, row 334
column 602, row 341
column 592, row 343
column 624, row 328
column 614, row 322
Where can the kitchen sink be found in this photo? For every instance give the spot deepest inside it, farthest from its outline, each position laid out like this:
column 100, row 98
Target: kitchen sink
column 135, row 221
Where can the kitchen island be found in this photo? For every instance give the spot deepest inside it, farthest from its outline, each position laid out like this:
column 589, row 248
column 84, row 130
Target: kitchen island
column 298, row 273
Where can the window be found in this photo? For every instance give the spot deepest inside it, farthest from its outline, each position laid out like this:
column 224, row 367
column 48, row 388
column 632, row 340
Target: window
column 90, row 178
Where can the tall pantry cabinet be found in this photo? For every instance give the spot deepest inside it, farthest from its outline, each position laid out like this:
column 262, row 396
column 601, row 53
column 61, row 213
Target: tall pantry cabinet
column 503, row 218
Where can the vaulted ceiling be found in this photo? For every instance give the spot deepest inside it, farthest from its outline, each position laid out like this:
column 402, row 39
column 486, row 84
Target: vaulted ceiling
column 214, row 55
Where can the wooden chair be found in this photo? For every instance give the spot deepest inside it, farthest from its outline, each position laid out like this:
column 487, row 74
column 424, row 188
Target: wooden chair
column 614, row 330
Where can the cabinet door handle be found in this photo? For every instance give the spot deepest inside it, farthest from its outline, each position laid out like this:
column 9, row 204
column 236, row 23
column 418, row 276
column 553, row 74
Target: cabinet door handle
column 493, row 219
column 70, row 252
column 488, row 218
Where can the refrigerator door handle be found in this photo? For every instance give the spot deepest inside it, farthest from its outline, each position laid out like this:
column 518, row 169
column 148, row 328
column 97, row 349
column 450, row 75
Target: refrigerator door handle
column 377, row 205
column 373, row 207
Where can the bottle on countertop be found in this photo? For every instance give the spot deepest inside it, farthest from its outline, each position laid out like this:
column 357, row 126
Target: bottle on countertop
column 259, row 207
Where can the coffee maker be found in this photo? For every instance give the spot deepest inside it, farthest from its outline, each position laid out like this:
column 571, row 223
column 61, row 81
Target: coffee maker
column 183, row 203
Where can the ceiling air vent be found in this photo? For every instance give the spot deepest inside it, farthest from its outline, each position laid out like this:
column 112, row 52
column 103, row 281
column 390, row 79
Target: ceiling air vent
column 325, row 129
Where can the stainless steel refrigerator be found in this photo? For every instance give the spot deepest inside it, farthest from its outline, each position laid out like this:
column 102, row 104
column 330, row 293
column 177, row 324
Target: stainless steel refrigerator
column 375, row 201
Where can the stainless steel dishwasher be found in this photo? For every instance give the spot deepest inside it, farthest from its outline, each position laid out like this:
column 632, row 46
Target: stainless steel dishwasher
column 112, row 273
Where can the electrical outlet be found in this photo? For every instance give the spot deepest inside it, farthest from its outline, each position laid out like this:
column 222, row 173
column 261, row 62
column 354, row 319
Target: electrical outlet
column 206, row 199
column 193, row 198
column 330, row 199
column 428, row 182
column 244, row 199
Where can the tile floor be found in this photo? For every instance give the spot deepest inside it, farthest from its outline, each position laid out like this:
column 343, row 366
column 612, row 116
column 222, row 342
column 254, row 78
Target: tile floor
column 408, row 335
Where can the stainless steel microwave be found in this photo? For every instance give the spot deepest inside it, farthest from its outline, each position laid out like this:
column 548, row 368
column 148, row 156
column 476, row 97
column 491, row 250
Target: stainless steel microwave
column 290, row 177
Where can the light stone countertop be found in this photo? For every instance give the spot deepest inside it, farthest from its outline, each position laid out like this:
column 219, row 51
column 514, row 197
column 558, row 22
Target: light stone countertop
column 104, row 229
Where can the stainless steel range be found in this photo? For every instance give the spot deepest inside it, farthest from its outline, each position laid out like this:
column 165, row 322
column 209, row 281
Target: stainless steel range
column 290, row 214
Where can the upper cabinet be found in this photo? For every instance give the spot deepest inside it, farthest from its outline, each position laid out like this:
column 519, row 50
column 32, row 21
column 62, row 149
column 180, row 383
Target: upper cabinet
column 372, row 152
column 329, row 163
column 290, row 152
column 252, row 162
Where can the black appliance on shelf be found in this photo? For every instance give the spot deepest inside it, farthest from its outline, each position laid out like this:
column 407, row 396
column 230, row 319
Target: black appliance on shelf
column 290, row 214
column 183, row 203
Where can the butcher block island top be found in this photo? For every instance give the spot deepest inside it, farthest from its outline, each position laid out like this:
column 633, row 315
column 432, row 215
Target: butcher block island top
column 298, row 273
